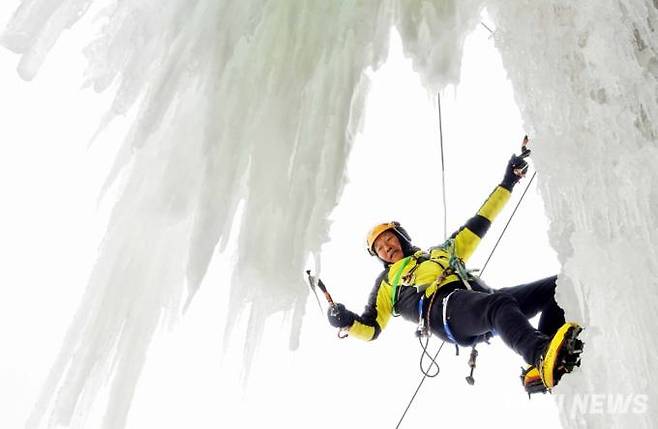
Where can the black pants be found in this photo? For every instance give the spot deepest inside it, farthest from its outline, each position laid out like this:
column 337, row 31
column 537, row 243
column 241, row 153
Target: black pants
column 505, row 312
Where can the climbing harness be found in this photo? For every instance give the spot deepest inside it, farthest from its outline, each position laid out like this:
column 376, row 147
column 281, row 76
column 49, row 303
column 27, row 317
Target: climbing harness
column 446, row 326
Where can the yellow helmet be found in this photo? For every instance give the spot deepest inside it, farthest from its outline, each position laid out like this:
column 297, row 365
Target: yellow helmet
column 378, row 230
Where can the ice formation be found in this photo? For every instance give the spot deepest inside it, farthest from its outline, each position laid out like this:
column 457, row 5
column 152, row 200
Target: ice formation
column 591, row 92
column 246, row 112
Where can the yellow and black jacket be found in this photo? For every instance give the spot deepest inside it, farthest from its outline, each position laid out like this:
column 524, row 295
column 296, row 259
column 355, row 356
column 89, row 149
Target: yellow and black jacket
column 421, row 274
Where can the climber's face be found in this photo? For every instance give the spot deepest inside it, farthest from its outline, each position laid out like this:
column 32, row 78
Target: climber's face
column 388, row 248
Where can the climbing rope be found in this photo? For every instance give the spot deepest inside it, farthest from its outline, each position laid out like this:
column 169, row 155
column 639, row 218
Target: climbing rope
column 443, row 173
column 433, row 364
column 487, row 27
column 508, row 221
column 422, row 380
column 432, row 369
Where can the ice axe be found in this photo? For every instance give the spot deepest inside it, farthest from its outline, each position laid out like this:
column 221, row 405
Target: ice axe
column 317, row 282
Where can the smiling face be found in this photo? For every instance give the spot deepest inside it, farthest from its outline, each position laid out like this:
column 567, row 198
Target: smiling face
column 388, row 248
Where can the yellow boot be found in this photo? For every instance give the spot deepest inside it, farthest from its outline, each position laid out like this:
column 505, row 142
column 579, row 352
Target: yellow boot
column 531, row 380
column 561, row 355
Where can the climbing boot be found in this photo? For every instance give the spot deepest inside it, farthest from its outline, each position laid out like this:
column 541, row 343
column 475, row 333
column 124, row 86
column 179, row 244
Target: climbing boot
column 561, row 355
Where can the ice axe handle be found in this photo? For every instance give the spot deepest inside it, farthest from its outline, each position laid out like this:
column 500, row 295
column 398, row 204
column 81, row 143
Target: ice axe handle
column 332, row 305
column 525, row 151
column 323, row 288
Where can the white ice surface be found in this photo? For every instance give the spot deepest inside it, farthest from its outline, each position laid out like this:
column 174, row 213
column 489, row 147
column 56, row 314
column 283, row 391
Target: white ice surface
column 585, row 78
column 250, row 108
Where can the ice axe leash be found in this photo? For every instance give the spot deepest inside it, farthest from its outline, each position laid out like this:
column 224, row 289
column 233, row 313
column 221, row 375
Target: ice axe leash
column 314, row 282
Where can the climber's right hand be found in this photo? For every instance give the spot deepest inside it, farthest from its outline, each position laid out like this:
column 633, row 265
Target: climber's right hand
column 340, row 317
column 517, row 166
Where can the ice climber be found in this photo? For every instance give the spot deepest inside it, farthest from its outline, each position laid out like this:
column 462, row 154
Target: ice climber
column 433, row 288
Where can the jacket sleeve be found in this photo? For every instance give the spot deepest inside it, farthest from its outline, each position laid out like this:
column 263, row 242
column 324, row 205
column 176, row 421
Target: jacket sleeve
column 468, row 236
column 377, row 313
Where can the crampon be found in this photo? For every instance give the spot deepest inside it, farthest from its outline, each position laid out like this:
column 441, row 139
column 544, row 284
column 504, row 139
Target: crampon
column 561, row 356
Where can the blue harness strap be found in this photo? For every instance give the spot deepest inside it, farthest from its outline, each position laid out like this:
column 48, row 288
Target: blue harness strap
column 446, row 327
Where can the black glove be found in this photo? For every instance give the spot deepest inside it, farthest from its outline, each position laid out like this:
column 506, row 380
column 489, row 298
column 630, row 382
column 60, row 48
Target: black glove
column 340, row 317
column 516, row 169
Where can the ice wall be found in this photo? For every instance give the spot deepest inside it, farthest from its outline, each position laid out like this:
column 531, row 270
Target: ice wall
column 242, row 108
column 585, row 77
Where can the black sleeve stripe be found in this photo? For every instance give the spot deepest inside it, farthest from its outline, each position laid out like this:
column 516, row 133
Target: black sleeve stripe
column 369, row 315
column 479, row 225
column 378, row 330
